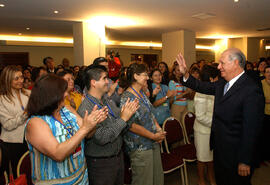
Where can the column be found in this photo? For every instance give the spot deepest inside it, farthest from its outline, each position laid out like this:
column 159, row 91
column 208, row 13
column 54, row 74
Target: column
column 89, row 42
column 179, row 41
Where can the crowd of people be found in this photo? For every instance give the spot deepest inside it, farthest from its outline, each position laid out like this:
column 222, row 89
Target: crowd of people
column 77, row 122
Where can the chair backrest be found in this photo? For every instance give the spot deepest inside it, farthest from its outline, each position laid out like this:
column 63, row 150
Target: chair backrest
column 174, row 132
column 24, row 167
column 188, row 121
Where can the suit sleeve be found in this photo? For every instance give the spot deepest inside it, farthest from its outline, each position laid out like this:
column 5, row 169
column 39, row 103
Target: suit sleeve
column 199, row 86
column 253, row 114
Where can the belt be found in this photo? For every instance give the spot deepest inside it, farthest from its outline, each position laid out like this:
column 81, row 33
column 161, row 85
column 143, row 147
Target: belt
column 106, row 157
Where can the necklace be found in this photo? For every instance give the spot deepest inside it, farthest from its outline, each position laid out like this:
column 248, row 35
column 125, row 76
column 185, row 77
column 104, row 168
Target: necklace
column 69, row 128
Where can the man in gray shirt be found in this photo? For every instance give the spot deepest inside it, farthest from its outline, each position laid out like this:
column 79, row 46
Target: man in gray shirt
column 103, row 151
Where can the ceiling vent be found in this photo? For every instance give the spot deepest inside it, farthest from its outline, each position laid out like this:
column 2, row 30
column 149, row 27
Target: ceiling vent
column 263, row 29
column 203, row 16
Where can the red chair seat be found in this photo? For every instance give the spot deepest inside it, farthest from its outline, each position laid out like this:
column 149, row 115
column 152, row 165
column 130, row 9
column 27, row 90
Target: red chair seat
column 186, row 151
column 171, row 161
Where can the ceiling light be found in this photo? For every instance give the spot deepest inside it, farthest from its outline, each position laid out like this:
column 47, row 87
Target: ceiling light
column 56, row 12
column 142, row 44
column 203, row 16
column 19, row 33
column 236, row 1
column 36, row 39
column 2, row 5
column 113, row 21
column 27, row 28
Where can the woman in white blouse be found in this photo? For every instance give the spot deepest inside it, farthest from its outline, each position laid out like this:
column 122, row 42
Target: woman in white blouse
column 13, row 100
column 204, row 105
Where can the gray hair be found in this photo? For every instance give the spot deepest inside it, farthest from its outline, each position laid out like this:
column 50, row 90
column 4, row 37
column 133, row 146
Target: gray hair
column 237, row 54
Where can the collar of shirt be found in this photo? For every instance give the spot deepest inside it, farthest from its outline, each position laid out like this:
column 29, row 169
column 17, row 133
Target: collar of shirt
column 232, row 81
column 100, row 102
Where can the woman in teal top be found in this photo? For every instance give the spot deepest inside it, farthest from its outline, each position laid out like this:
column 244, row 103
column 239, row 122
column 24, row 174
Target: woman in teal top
column 161, row 94
column 55, row 134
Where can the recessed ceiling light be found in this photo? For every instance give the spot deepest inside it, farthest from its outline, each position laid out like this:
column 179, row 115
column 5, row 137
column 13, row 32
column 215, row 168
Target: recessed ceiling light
column 2, row 5
column 55, row 12
column 27, row 28
column 236, row 1
column 19, row 33
column 203, row 16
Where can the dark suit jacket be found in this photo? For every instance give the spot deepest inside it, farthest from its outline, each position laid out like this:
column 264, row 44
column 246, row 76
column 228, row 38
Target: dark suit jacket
column 237, row 119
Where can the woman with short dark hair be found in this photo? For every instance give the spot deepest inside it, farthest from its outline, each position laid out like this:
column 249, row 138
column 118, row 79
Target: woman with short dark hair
column 74, row 99
column 144, row 135
column 55, row 133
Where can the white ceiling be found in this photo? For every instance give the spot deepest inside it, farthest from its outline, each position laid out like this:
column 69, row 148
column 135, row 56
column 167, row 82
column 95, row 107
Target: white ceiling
column 154, row 17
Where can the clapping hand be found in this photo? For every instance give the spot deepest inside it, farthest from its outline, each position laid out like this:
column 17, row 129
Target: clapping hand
column 129, row 109
column 95, row 117
column 156, row 90
column 171, row 93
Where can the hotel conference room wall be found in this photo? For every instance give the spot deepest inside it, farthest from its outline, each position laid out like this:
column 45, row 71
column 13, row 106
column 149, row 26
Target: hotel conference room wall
column 37, row 53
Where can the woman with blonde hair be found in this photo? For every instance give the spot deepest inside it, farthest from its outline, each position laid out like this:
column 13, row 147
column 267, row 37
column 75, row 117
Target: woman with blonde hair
column 13, row 100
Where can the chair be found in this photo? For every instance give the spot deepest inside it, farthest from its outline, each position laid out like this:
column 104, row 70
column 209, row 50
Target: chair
column 176, row 133
column 188, row 120
column 171, row 162
column 24, row 167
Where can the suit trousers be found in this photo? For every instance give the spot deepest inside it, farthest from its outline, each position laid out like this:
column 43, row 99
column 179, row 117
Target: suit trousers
column 229, row 176
column 106, row 171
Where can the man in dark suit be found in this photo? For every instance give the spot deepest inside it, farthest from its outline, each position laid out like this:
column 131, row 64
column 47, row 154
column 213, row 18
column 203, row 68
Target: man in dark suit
column 49, row 63
column 237, row 117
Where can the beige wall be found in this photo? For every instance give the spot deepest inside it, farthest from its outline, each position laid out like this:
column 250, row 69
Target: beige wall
column 208, row 56
column 253, row 50
column 37, row 53
column 125, row 53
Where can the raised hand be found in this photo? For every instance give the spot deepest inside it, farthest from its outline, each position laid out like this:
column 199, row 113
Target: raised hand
column 182, row 64
column 112, row 88
column 129, row 109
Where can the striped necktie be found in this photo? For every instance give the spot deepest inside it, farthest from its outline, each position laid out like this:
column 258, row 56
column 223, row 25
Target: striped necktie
column 226, row 88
